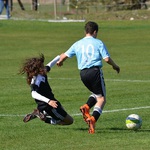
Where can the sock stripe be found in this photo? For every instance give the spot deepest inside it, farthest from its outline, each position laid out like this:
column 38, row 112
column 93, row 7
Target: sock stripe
column 98, row 109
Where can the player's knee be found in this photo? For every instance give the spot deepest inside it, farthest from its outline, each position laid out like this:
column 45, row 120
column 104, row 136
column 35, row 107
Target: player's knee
column 69, row 120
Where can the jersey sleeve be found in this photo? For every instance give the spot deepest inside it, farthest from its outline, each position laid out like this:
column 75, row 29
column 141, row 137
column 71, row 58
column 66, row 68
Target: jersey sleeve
column 53, row 62
column 71, row 51
column 35, row 83
column 39, row 97
column 104, row 52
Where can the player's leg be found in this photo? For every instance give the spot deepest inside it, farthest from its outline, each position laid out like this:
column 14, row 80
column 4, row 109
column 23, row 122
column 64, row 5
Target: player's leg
column 36, row 113
column 97, row 111
column 7, row 9
column 100, row 93
column 89, row 77
column 94, row 81
column 85, row 109
column 1, row 6
column 59, row 115
column 68, row 120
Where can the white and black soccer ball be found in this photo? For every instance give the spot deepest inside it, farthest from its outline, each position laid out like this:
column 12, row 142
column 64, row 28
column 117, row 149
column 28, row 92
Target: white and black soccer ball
column 134, row 122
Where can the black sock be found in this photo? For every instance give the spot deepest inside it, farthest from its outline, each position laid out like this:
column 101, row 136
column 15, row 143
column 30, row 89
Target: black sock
column 48, row 120
column 96, row 115
column 91, row 101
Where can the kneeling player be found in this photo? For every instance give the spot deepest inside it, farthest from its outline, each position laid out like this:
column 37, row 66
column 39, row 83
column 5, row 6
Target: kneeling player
column 48, row 109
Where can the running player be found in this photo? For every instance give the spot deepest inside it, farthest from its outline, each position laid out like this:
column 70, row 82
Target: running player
column 90, row 52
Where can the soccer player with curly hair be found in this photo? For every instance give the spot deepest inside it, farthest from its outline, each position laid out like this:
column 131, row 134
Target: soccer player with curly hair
column 49, row 109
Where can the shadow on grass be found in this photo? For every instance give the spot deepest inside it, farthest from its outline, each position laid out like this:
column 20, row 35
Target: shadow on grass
column 112, row 130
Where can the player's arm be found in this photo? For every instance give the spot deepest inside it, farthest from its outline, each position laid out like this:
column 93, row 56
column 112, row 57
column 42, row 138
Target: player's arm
column 52, row 63
column 62, row 58
column 106, row 56
column 112, row 63
column 42, row 98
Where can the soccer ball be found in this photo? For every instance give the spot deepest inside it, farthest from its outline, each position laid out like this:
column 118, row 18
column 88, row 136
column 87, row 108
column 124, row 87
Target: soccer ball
column 133, row 122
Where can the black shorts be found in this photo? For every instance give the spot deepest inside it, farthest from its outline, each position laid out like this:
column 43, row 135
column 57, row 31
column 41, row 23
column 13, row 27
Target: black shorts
column 57, row 113
column 93, row 80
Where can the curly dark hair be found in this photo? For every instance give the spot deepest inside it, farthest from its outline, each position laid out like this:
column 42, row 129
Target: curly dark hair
column 33, row 67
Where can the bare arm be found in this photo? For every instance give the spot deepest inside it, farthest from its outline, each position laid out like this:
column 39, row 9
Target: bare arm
column 62, row 58
column 113, row 64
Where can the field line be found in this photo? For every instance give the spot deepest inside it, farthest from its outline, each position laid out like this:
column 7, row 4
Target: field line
column 124, row 109
column 123, row 80
column 118, row 110
column 111, row 80
column 78, row 114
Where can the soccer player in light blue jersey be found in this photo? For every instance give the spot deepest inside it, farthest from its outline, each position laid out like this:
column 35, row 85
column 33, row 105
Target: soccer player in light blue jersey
column 90, row 52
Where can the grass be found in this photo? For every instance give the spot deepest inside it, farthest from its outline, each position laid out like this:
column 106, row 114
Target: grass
column 128, row 44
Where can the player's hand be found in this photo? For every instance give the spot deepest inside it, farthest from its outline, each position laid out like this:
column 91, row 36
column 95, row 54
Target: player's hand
column 53, row 103
column 117, row 68
column 59, row 63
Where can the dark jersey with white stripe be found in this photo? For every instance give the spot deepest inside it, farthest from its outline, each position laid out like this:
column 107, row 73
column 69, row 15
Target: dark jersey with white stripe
column 40, row 85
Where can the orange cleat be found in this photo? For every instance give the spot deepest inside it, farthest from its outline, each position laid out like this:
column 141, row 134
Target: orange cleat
column 85, row 112
column 91, row 122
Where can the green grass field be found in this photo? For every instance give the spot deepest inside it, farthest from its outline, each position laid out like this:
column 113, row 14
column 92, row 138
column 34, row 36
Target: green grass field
column 127, row 92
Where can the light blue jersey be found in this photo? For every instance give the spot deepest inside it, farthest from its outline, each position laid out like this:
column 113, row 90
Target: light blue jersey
column 89, row 52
